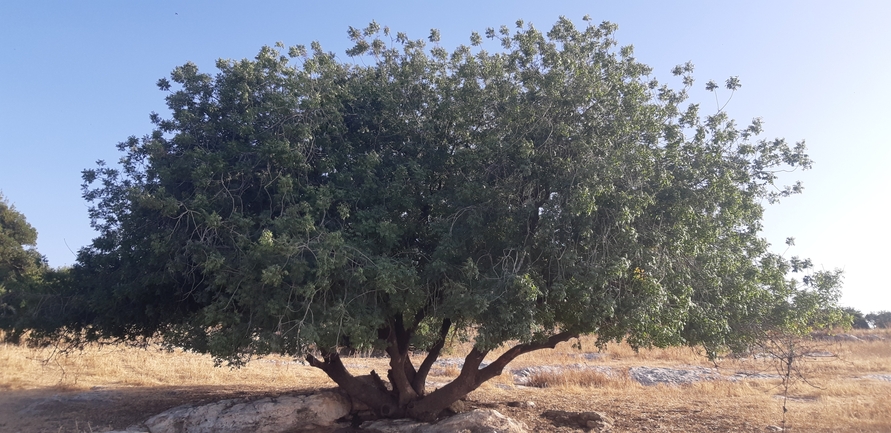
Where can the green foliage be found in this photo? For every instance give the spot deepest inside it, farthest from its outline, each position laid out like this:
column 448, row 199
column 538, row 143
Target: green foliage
column 857, row 320
column 787, row 338
column 21, row 266
column 295, row 202
column 17, row 261
column 880, row 319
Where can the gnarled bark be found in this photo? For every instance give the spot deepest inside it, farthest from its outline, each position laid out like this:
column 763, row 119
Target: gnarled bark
column 379, row 400
column 420, row 379
column 408, row 397
column 471, row 377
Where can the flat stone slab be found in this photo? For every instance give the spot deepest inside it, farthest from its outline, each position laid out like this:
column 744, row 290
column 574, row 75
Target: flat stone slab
column 284, row 414
column 746, row 375
column 476, row 421
column 884, row 377
column 650, row 376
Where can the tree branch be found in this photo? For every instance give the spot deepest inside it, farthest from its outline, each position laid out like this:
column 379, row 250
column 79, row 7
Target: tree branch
column 497, row 366
column 432, row 354
column 471, row 376
column 364, row 390
column 401, row 370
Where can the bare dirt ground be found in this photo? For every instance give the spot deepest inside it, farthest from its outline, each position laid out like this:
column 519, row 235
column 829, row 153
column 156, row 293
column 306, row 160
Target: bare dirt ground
column 103, row 410
column 53, row 410
column 112, row 388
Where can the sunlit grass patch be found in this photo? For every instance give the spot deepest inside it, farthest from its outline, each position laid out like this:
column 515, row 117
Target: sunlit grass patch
column 574, row 377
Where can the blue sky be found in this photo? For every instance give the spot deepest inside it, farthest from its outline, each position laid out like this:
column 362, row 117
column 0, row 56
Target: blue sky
column 78, row 77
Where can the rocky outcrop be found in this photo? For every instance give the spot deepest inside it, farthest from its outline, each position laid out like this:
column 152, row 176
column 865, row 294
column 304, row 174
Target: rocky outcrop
column 595, row 421
column 304, row 413
column 650, row 376
column 476, row 421
column 309, row 413
column 330, row 412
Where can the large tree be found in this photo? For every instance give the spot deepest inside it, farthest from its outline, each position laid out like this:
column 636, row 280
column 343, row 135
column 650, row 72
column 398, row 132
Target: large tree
column 880, row 319
column 20, row 263
column 17, row 239
column 299, row 204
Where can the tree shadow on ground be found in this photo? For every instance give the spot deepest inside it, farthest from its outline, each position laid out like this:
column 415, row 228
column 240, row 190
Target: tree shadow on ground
column 61, row 410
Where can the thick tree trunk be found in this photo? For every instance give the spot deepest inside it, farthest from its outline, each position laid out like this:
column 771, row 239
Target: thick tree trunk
column 429, row 408
column 471, row 377
column 407, row 397
column 401, row 369
column 370, row 392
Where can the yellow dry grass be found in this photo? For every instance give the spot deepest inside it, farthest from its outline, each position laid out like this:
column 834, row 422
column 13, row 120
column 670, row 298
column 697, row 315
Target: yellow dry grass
column 840, row 393
column 121, row 366
column 575, row 378
column 848, row 392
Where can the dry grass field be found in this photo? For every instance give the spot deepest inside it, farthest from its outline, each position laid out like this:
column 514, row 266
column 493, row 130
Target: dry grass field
column 848, row 387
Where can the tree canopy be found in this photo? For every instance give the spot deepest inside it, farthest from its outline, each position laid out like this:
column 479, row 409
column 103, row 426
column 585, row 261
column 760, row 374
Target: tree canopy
column 858, row 321
column 300, row 204
column 20, row 263
column 18, row 258
column 879, row 319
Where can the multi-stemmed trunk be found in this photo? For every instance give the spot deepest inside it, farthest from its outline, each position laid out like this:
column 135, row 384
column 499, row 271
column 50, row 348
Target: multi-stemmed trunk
column 407, row 397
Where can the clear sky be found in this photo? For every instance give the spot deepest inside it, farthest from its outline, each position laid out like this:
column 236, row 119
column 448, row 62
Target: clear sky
column 76, row 78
